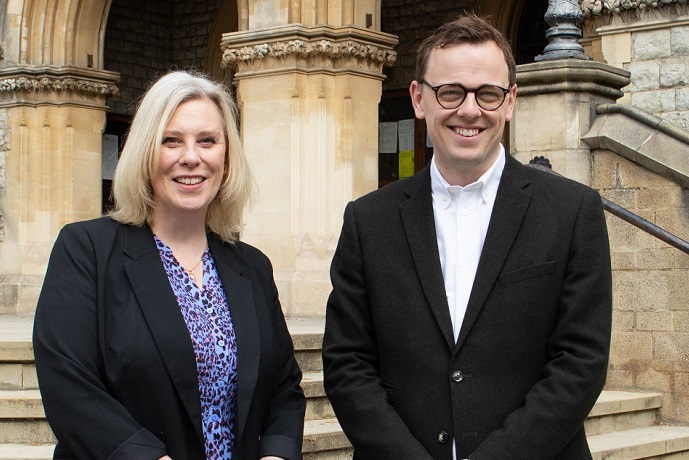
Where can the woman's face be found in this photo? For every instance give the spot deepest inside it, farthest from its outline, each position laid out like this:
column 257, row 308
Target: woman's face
column 192, row 161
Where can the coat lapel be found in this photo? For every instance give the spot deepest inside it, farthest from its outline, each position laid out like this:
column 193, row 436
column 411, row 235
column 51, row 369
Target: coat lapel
column 511, row 203
column 419, row 226
column 240, row 299
column 161, row 311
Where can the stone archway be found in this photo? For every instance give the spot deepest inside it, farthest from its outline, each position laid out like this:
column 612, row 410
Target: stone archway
column 226, row 21
column 53, row 91
column 505, row 16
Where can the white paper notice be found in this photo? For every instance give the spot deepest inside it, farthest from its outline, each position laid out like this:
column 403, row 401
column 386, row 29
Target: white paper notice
column 406, row 134
column 109, row 158
column 387, row 137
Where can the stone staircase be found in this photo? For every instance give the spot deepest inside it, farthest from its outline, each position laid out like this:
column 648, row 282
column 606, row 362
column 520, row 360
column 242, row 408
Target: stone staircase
column 622, row 425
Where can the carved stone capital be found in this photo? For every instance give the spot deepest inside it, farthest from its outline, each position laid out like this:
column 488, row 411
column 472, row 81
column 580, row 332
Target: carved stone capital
column 633, row 10
column 48, row 85
column 303, row 49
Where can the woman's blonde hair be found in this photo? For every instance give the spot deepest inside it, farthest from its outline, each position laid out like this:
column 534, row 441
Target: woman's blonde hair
column 132, row 192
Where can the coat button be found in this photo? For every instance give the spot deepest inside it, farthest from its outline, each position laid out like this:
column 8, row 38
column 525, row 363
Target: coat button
column 457, row 376
column 443, row 437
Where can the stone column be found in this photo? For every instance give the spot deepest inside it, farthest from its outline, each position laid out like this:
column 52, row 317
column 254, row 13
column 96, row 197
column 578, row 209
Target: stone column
column 51, row 123
column 308, row 99
column 556, row 105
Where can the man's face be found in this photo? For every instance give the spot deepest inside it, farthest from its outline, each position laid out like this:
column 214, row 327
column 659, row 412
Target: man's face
column 466, row 140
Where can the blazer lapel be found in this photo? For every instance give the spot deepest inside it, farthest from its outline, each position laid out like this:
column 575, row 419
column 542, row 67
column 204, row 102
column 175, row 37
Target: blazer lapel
column 419, row 226
column 240, row 299
column 161, row 311
column 511, row 203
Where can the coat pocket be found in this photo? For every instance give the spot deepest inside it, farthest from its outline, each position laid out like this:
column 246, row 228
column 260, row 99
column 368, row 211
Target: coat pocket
column 533, row 271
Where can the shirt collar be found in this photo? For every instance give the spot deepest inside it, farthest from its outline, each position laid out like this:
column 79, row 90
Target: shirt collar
column 489, row 181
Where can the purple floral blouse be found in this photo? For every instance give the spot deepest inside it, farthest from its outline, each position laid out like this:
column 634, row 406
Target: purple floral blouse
column 207, row 315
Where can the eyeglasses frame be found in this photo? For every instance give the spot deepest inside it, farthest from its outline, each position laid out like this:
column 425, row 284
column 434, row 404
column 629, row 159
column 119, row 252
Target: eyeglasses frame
column 466, row 90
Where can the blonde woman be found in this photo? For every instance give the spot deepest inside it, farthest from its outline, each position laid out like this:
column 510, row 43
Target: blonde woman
column 157, row 334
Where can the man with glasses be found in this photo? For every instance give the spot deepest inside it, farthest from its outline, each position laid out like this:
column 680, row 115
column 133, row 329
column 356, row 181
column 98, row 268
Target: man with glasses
column 471, row 307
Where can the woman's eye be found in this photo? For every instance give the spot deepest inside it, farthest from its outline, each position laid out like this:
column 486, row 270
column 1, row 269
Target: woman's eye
column 170, row 141
column 208, row 141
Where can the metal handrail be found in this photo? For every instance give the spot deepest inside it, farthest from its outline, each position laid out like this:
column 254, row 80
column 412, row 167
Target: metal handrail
column 673, row 240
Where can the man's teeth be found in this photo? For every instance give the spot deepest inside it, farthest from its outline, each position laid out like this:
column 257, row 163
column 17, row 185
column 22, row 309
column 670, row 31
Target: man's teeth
column 466, row 132
column 189, row 180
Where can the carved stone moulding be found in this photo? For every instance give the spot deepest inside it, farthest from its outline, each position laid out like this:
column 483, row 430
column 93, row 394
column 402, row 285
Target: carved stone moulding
column 629, row 11
column 307, row 49
column 49, row 85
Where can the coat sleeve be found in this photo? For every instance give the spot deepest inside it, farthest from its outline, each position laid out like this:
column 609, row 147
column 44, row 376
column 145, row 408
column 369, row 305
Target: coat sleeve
column 283, row 428
column 350, row 360
column 86, row 419
column 556, row 407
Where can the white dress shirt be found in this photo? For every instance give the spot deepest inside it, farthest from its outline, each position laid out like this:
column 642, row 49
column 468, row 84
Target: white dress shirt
column 461, row 217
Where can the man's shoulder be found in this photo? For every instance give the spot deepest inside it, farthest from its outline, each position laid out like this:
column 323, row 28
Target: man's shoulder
column 394, row 192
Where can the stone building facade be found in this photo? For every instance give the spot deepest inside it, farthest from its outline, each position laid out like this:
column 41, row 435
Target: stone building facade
column 311, row 79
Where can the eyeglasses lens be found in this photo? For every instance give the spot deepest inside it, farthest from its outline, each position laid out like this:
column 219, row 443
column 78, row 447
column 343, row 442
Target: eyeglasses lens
column 487, row 97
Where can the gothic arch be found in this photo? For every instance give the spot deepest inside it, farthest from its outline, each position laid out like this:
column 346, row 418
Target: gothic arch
column 505, row 15
column 63, row 33
column 226, row 20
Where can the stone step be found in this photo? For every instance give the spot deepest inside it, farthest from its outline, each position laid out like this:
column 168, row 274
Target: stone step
column 324, row 440
column 656, row 442
column 622, row 410
column 26, row 452
column 307, row 337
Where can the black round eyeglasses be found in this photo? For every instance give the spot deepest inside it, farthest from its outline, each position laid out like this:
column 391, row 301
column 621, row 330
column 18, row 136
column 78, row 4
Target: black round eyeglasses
column 452, row 95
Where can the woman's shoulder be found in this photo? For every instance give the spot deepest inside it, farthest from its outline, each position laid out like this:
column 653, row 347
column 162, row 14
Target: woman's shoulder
column 99, row 232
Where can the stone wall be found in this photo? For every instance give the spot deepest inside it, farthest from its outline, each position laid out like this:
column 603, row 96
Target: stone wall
column 146, row 39
column 412, row 21
column 650, row 341
column 660, row 73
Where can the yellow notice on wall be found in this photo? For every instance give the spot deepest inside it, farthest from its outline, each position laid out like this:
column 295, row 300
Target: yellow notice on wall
column 406, row 142
column 406, row 163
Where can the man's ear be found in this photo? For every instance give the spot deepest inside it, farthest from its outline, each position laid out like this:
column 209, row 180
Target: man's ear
column 416, row 93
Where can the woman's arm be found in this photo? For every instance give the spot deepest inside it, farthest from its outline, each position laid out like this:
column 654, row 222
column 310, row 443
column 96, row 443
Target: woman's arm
column 86, row 419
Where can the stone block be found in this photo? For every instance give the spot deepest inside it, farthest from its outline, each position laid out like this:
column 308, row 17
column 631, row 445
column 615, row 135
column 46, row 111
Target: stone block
column 655, row 101
column 682, row 98
column 660, row 197
column 627, row 198
column 645, row 76
column 619, row 379
column 671, row 351
column 631, row 351
column 655, row 381
column 654, row 321
column 604, row 170
column 623, row 321
column 644, row 290
column 681, row 320
column 11, row 377
column 654, row 259
column 651, row 44
column 622, row 260
column 679, row 37
column 681, row 260
column 674, row 72
column 681, row 386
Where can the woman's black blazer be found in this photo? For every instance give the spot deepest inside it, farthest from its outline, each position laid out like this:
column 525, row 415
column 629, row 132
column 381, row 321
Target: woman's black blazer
column 116, row 365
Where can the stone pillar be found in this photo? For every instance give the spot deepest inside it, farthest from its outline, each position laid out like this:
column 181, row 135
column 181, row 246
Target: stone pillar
column 556, row 105
column 51, row 123
column 308, row 99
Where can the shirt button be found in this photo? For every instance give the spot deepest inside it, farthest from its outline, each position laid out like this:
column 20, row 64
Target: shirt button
column 221, row 342
column 443, row 437
column 209, row 310
column 457, row 376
